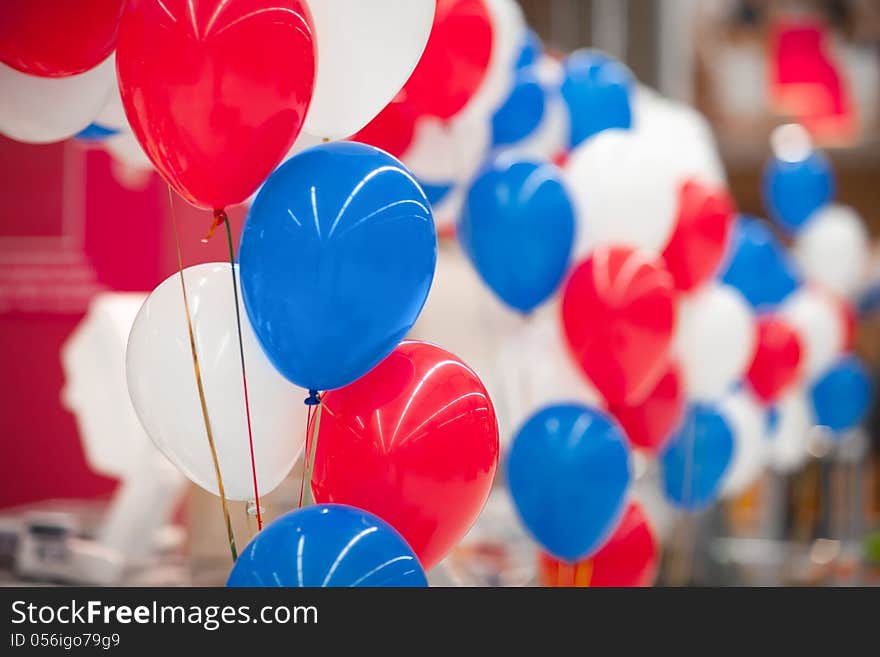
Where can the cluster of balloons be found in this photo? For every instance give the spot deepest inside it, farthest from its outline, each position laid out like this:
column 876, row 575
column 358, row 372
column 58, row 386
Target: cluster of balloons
column 336, row 261
column 711, row 347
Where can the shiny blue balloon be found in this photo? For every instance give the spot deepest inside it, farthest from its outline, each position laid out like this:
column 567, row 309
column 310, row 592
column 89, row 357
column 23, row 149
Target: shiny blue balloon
column 758, row 265
column 521, row 114
column 794, row 190
column 569, row 471
column 329, row 545
column 530, row 51
column 842, row 395
column 693, row 463
column 95, row 132
column 337, row 257
column 598, row 92
column 517, row 227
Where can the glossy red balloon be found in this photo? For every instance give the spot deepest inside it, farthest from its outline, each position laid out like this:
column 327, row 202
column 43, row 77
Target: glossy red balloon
column 618, row 311
column 216, row 90
column 54, row 38
column 776, row 364
column 649, row 424
column 414, row 441
column 392, row 129
column 699, row 240
column 631, row 557
column 455, row 59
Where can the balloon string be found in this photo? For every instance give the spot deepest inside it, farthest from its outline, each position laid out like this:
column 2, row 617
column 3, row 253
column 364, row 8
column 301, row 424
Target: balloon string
column 195, row 357
column 221, row 216
column 302, row 481
column 314, row 399
column 583, row 573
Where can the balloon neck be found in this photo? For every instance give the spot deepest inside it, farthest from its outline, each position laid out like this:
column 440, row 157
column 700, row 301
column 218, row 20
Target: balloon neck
column 313, row 399
column 219, row 220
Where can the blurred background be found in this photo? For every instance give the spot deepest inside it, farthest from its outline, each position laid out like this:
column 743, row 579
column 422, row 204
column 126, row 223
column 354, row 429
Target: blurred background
column 82, row 219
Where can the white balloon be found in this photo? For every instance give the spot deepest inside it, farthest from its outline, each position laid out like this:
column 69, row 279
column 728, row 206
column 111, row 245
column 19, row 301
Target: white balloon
column 508, row 32
column 691, row 149
column 624, row 191
column 366, row 51
column 40, row 110
column 748, row 423
column 817, row 318
column 131, row 166
column 832, row 249
column 789, row 439
column 162, row 386
column 112, row 115
column 445, row 153
column 715, row 340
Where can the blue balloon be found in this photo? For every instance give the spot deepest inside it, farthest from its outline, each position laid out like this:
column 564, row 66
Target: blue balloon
column 694, row 461
column 569, row 471
column 794, row 190
column 597, row 90
column 328, row 545
column 95, row 132
column 521, row 114
column 336, row 260
column 517, row 227
column 531, row 50
column 758, row 266
column 842, row 395
column 772, row 421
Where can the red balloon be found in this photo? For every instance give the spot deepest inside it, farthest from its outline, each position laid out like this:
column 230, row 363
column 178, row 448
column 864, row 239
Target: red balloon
column 55, row 39
column 850, row 323
column 618, row 309
column 414, row 441
column 631, row 557
column 455, row 59
column 216, row 91
column 649, row 425
column 702, row 228
column 392, row 129
column 776, row 364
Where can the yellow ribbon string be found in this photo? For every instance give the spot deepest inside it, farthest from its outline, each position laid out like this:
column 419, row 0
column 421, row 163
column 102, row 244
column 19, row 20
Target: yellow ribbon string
column 197, row 370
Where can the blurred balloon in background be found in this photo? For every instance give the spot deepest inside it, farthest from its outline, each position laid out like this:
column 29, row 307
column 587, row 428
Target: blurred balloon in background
column 694, row 462
column 788, row 438
column 455, row 60
column 715, row 340
column 747, row 422
column 699, row 240
column 337, row 257
column 40, row 110
column 521, row 112
column 816, row 317
column 832, row 249
column 610, row 208
column 569, row 470
column 776, row 365
column 795, row 188
column 414, row 441
column 842, row 395
column 597, row 90
column 54, row 39
column 327, row 545
column 758, row 266
column 649, row 424
column 162, row 386
column 618, row 310
column 517, row 227
column 630, row 558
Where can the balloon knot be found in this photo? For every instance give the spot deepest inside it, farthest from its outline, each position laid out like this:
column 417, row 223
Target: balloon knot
column 219, row 218
column 313, row 399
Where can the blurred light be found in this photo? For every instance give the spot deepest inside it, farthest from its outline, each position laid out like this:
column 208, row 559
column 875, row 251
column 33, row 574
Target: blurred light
column 824, row 551
column 791, row 143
